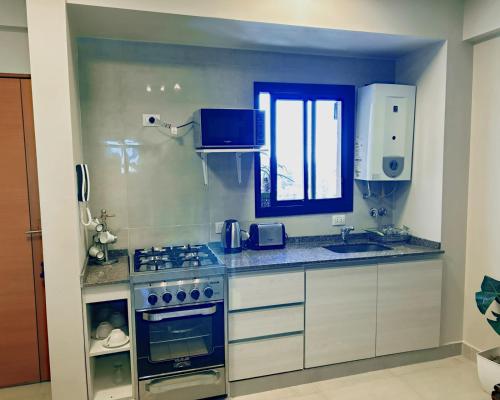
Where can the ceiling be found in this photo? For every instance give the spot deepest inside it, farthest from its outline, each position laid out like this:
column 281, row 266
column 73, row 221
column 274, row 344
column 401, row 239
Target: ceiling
column 111, row 23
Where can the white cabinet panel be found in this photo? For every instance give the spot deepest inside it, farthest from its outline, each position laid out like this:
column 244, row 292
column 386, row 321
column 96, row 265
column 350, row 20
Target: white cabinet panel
column 409, row 306
column 340, row 314
column 262, row 357
column 265, row 289
column 265, row 322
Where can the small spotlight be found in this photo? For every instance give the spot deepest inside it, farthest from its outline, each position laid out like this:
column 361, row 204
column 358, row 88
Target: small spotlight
column 148, row 88
column 162, row 88
column 177, row 87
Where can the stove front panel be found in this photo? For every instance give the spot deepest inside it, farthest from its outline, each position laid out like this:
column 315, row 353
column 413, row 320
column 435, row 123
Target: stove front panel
column 180, row 292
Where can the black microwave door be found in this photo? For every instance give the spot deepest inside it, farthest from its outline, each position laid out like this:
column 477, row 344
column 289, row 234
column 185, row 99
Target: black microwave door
column 228, row 128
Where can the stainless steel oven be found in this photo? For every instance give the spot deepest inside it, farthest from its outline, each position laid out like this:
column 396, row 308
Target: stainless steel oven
column 180, row 339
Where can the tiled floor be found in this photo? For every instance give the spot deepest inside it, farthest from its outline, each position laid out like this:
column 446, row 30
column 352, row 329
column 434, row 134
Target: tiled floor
column 449, row 379
column 39, row 391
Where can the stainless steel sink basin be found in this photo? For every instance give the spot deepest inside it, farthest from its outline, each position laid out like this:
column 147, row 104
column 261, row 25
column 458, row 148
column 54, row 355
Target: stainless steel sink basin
column 356, row 248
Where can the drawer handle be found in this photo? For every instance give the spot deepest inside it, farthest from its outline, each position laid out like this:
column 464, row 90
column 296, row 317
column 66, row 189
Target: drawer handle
column 285, row 305
column 276, row 335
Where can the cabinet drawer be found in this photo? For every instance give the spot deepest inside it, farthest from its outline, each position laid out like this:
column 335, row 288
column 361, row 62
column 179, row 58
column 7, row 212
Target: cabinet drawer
column 265, row 356
column 265, row 289
column 265, row 322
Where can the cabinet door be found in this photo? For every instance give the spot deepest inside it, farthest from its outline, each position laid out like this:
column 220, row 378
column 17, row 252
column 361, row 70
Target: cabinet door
column 340, row 314
column 409, row 306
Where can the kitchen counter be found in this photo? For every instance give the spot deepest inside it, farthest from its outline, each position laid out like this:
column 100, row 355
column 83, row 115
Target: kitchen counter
column 94, row 274
column 303, row 252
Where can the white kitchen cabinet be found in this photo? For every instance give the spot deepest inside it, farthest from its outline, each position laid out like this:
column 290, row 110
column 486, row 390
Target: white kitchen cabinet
column 265, row 322
column 340, row 314
column 263, row 289
column 267, row 356
column 408, row 306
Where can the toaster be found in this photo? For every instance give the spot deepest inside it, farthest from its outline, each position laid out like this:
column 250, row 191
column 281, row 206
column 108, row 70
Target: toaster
column 267, row 236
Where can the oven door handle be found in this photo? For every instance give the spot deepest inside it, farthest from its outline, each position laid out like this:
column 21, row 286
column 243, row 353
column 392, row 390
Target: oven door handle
column 151, row 317
column 163, row 385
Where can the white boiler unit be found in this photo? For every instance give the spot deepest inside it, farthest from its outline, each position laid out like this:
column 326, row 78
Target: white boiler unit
column 384, row 132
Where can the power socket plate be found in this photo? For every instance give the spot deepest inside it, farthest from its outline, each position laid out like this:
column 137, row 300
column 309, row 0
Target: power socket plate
column 338, row 220
column 218, row 227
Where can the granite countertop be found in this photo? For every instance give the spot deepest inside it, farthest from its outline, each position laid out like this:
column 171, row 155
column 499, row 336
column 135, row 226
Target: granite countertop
column 94, row 274
column 301, row 252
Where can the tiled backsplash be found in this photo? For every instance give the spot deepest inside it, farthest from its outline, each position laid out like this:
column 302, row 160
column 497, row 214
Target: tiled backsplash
column 153, row 182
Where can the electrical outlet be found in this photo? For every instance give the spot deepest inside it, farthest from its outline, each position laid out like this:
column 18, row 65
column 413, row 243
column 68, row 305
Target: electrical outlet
column 151, row 120
column 218, row 227
column 338, row 219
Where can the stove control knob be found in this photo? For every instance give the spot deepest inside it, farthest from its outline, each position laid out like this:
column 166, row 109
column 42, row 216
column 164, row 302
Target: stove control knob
column 167, row 297
column 152, row 299
column 195, row 294
column 208, row 292
column 181, row 295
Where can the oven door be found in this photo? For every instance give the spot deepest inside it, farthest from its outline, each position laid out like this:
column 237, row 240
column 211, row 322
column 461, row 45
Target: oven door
column 175, row 339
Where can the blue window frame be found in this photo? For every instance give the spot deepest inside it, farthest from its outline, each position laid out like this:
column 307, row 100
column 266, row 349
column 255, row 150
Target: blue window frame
column 308, row 167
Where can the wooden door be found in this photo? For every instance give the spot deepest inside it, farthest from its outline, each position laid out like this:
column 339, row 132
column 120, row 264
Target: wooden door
column 35, row 226
column 22, row 323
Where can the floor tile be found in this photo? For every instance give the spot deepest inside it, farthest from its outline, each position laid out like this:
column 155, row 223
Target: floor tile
column 37, row 391
column 451, row 378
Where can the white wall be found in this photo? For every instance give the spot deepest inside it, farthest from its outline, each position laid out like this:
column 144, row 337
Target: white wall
column 14, row 53
column 483, row 235
column 152, row 204
column 420, row 206
column 481, row 18
column 426, row 18
column 57, row 141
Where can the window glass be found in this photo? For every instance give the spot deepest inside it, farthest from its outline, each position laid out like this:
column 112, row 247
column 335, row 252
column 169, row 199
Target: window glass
column 326, row 167
column 264, row 104
column 290, row 149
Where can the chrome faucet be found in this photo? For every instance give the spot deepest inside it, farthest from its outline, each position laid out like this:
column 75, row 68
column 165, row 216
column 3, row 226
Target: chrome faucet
column 344, row 232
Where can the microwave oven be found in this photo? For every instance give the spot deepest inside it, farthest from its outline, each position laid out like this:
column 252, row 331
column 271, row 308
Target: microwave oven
column 228, row 128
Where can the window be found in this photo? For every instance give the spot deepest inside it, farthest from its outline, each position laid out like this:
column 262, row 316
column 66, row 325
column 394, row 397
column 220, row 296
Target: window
column 308, row 168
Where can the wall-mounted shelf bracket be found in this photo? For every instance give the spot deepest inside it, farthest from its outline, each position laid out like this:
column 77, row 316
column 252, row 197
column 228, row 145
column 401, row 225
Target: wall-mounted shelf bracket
column 203, row 153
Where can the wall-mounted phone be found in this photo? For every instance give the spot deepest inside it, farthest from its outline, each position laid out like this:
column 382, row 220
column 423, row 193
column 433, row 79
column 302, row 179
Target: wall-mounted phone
column 83, row 191
column 83, row 180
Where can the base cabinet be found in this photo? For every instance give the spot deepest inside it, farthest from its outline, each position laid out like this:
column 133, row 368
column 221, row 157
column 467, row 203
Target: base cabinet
column 340, row 314
column 408, row 306
column 265, row 324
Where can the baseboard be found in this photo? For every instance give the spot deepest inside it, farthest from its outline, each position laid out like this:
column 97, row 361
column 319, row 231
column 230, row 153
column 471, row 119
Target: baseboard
column 469, row 351
column 265, row 383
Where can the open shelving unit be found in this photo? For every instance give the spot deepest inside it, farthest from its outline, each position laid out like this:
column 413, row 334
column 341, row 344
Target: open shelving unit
column 110, row 371
column 203, row 153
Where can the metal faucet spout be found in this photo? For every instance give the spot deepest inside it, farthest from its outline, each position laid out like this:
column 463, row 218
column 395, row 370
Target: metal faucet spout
column 344, row 232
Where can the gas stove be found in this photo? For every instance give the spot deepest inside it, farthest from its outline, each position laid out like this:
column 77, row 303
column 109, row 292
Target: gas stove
column 162, row 263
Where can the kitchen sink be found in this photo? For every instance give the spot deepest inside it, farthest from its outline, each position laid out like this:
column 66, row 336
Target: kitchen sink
column 356, row 248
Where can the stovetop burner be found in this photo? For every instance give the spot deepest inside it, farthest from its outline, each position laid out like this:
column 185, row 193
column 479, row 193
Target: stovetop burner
column 163, row 258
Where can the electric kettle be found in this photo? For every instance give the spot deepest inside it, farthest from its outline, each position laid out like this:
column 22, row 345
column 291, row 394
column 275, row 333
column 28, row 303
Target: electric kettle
column 231, row 236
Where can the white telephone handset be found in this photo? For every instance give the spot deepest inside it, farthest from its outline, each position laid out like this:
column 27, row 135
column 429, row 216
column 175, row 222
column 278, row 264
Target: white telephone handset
column 83, row 182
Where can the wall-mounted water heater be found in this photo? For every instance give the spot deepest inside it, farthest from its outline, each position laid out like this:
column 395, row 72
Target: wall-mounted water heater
column 384, row 132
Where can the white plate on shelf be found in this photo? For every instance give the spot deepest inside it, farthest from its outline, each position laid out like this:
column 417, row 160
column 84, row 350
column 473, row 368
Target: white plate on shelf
column 106, row 344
